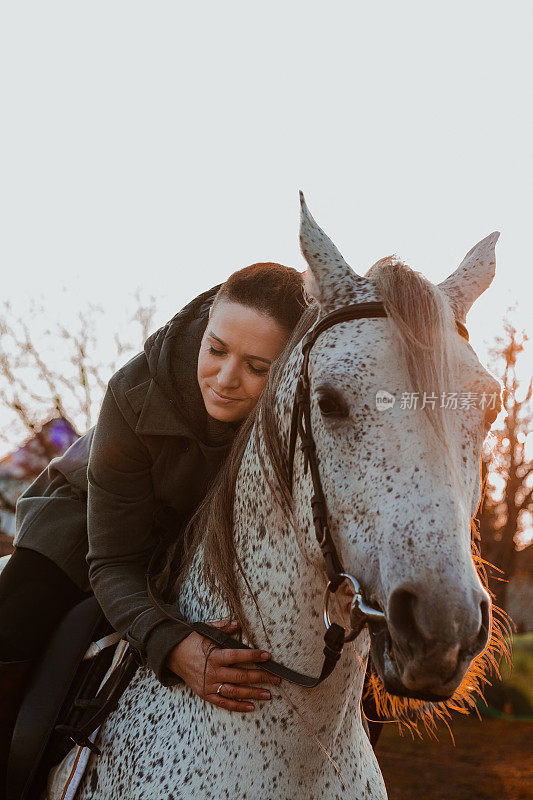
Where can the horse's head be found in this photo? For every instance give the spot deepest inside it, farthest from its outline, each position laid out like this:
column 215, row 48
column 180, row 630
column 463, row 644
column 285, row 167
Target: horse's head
column 399, row 469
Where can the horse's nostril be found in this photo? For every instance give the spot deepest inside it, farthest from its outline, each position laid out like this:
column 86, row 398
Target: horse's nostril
column 484, row 629
column 485, row 614
column 402, row 616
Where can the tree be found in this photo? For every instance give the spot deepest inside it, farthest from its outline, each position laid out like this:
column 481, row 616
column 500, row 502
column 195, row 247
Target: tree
column 507, row 471
column 53, row 378
column 61, row 371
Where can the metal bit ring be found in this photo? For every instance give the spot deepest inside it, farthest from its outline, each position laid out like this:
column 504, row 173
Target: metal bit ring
column 358, row 608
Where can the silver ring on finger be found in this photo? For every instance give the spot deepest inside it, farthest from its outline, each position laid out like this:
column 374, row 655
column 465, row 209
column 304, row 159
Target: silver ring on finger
column 218, row 690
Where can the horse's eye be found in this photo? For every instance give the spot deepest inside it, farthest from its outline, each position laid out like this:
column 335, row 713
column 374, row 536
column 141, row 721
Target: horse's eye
column 331, row 405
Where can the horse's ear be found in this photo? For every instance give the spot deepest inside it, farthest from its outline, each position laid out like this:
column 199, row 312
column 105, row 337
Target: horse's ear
column 310, row 285
column 329, row 276
column 473, row 275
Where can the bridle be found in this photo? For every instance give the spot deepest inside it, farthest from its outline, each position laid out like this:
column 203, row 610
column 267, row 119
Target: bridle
column 360, row 611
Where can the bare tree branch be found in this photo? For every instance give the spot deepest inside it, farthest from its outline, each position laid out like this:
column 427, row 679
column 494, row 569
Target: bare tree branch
column 509, row 495
column 35, row 391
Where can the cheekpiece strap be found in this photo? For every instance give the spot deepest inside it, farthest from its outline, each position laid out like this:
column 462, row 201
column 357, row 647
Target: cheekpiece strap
column 301, row 427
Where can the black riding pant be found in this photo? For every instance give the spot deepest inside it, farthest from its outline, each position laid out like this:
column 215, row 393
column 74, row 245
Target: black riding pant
column 34, row 595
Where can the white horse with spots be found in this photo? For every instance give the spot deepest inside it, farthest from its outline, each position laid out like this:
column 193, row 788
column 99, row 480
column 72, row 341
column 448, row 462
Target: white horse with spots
column 401, row 486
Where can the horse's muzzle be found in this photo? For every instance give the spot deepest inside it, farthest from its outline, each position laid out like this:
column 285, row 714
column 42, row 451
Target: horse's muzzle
column 423, row 667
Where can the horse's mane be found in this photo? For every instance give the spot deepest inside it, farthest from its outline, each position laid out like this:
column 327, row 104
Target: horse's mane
column 426, row 339
column 211, row 526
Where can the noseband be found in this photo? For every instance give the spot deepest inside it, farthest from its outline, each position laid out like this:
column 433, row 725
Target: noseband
column 301, row 427
column 360, row 612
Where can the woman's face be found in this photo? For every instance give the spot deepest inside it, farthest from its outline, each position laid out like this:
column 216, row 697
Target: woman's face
column 237, row 349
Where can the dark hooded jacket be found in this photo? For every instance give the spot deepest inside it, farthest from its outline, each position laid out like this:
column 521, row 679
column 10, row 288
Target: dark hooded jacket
column 153, row 453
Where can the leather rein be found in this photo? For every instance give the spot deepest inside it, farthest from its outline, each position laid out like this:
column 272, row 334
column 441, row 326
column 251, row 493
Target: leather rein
column 360, row 612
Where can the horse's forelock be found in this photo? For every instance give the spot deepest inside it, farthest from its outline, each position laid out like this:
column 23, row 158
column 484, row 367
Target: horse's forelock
column 428, row 345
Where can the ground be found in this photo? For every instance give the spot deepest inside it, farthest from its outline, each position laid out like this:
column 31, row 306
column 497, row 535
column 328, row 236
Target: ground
column 492, row 760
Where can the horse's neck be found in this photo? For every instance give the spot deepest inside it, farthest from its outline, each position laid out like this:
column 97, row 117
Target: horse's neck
column 286, row 614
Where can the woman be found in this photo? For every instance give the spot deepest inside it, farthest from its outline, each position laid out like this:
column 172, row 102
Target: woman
column 218, row 361
column 166, row 424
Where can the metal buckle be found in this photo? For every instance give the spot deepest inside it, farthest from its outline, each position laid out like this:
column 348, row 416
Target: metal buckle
column 358, row 607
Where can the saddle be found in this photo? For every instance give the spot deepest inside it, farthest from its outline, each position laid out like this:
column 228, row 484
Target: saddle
column 63, row 705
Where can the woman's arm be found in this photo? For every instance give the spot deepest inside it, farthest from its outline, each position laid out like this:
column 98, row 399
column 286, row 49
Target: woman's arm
column 121, row 506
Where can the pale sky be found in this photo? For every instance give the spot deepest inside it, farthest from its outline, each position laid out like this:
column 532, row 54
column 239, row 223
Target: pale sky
column 161, row 145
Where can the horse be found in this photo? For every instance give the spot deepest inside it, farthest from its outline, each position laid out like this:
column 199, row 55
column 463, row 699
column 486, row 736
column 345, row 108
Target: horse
column 401, row 480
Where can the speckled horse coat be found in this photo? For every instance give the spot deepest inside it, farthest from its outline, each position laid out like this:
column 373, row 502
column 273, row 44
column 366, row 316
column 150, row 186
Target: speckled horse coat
column 401, row 524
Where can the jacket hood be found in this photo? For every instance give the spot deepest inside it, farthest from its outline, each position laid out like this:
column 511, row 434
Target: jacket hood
column 172, row 355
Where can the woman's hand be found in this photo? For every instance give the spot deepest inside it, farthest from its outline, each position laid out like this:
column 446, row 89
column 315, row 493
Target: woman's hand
column 236, row 685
